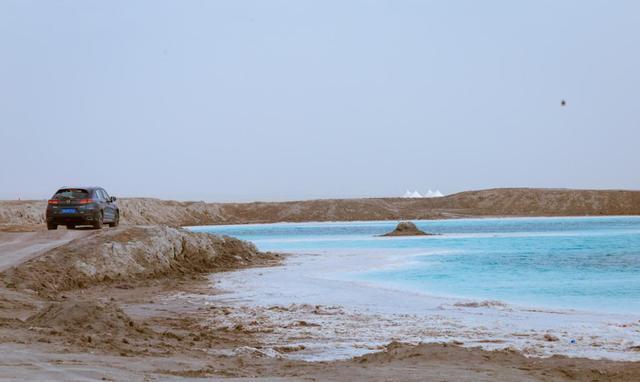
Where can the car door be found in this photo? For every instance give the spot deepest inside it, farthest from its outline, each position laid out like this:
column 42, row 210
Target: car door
column 101, row 203
column 109, row 210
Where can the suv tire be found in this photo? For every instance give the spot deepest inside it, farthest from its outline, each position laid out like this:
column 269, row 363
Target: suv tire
column 51, row 226
column 98, row 222
column 116, row 220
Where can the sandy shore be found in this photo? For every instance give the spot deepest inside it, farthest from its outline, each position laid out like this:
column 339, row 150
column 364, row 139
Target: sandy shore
column 133, row 303
column 306, row 302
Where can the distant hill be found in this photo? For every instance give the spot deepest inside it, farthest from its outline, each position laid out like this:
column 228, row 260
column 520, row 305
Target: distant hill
column 493, row 202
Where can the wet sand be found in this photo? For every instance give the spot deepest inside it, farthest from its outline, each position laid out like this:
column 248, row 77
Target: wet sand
column 306, row 301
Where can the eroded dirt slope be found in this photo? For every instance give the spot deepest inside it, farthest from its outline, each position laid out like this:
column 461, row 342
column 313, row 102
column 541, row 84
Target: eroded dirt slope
column 494, row 202
column 130, row 253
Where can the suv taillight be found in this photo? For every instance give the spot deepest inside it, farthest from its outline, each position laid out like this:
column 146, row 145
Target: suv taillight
column 79, row 201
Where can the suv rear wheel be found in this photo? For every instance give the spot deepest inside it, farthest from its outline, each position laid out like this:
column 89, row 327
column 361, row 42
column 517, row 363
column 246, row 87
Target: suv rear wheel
column 98, row 222
column 115, row 221
column 51, row 226
column 71, row 226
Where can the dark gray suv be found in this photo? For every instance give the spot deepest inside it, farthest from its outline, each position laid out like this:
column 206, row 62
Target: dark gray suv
column 75, row 206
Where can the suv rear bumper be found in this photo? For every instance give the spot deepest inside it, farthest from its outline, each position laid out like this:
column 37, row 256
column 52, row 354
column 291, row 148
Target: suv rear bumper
column 80, row 218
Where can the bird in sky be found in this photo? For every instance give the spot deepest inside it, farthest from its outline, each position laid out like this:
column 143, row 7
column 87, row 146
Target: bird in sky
column 563, row 103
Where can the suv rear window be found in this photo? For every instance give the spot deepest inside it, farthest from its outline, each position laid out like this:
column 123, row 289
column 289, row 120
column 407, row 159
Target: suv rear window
column 71, row 193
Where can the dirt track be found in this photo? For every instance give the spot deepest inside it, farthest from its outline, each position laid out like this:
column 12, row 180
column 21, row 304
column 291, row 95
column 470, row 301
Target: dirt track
column 17, row 247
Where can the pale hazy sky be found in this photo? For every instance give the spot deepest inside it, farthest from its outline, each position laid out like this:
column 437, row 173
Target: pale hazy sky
column 271, row 100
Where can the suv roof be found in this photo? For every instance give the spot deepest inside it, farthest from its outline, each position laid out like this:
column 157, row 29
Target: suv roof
column 79, row 187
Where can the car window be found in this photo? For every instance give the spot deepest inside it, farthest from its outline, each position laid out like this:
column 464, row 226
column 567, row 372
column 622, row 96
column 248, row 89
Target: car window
column 71, row 193
column 99, row 195
column 106, row 196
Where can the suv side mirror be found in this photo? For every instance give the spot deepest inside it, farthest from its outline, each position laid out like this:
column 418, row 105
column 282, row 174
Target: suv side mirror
column 113, row 198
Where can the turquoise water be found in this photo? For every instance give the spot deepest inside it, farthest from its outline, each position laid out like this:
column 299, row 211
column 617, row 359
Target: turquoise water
column 569, row 263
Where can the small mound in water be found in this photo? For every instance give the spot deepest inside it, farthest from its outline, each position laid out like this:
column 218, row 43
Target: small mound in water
column 407, row 229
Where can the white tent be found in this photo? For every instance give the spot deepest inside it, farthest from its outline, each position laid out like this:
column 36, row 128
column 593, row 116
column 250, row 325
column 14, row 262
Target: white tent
column 429, row 194
column 434, row 194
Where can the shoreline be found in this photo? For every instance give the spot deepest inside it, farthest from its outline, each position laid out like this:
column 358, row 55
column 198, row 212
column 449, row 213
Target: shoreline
column 471, row 218
column 165, row 328
column 466, row 321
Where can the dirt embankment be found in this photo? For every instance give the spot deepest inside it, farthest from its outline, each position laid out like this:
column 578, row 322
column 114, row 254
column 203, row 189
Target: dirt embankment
column 22, row 213
column 73, row 295
column 133, row 211
column 494, row 202
column 130, row 254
